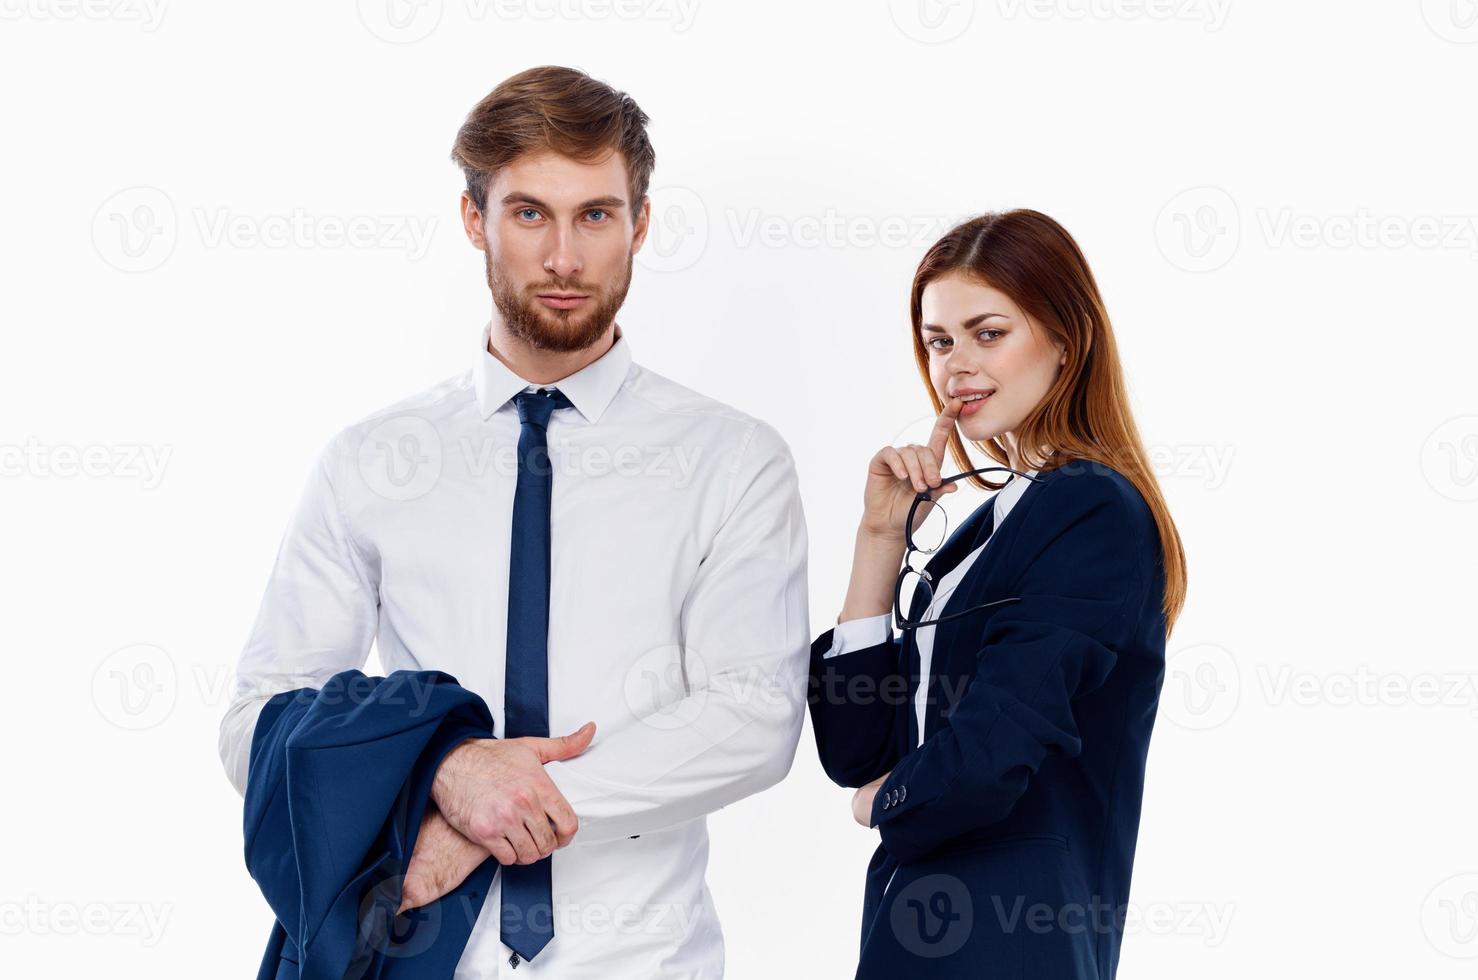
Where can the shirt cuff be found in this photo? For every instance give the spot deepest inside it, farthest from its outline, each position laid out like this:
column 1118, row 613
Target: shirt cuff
column 859, row 634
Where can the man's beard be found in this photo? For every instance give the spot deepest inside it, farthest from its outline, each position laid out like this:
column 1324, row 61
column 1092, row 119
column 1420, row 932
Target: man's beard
column 556, row 330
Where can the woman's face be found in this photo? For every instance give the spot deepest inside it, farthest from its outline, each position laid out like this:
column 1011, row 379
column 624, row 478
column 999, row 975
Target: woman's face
column 981, row 343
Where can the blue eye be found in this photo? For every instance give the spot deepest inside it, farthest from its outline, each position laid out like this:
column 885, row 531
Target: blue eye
column 990, row 330
column 938, row 340
column 528, row 213
column 598, row 211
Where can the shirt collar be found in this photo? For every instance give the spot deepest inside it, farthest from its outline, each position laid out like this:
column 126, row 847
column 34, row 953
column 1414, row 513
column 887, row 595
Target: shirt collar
column 1008, row 495
column 590, row 389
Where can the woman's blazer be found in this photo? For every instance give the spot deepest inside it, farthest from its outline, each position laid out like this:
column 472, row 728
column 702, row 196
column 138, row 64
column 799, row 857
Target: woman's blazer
column 1008, row 835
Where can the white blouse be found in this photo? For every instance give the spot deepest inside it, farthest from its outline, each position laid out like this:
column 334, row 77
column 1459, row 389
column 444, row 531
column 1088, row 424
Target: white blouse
column 859, row 634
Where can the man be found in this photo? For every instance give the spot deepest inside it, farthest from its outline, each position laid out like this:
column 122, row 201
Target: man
column 618, row 561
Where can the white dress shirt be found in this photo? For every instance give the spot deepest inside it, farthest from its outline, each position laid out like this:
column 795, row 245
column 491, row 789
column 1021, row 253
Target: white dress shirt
column 859, row 634
column 678, row 623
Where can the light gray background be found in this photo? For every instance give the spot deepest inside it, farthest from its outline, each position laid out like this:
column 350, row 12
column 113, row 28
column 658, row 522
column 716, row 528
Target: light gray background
column 1278, row 202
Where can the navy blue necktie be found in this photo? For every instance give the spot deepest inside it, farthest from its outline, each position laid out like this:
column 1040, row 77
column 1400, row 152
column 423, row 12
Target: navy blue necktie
column 527, row 923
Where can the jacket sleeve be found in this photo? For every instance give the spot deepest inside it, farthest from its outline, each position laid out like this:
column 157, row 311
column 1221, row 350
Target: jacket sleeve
column 1083, row 577
column 729, row 725
column 340, row 778
column 857, row 699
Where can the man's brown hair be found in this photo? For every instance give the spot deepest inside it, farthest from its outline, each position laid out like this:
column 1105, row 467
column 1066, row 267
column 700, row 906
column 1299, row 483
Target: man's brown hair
column 553, row 108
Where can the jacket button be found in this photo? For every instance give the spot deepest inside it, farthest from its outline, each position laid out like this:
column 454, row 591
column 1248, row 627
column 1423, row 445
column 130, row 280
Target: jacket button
column 902, row 793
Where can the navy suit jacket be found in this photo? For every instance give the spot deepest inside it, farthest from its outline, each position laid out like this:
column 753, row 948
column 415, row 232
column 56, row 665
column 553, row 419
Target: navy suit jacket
column 338, row 781
column 1008, row 835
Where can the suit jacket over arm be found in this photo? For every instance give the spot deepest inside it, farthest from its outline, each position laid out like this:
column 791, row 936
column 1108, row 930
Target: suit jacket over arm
column 339, row 779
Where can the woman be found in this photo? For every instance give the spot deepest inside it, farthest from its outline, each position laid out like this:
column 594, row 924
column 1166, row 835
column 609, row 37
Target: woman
column 999, row 744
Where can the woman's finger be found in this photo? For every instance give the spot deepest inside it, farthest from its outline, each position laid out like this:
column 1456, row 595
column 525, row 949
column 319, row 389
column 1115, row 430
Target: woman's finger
column 944, row 426
column 931, row 466
column 928, row 468
column 910, row 458
column 895, row 463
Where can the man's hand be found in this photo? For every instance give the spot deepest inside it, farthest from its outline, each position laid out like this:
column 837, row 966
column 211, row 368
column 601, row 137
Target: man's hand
column 496, row 794
column 442, row 860
column 862, row 800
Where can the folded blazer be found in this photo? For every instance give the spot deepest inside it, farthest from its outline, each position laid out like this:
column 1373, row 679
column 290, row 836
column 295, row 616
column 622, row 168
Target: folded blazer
column 1008, row 834
column 339, row 780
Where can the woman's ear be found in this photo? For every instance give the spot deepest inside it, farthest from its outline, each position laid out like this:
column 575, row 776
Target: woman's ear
column 1062, row 348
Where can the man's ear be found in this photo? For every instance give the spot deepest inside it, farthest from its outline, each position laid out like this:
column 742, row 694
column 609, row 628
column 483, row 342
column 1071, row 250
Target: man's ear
column 643, row 222
column 472, row 223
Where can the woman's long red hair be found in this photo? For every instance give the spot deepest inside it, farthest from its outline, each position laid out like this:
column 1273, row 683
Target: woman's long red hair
column 1085, row 415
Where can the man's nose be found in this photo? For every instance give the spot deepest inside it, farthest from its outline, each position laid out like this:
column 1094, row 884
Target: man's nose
column 564, row 259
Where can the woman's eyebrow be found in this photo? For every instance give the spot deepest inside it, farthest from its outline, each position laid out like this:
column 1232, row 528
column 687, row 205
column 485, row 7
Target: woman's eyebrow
column 973, row 321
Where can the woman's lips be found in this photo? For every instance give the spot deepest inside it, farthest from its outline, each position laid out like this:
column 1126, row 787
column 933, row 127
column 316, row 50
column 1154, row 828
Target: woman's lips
column 970, row 408
column 561, row 302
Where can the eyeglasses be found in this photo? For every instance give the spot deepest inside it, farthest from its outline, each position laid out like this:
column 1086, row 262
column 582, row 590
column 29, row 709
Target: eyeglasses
column 925, row 539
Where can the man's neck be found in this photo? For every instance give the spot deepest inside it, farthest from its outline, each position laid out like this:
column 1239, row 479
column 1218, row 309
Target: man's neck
column 543, row 367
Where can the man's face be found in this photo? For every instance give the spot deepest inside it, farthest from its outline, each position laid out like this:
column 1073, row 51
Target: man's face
column 559, row 236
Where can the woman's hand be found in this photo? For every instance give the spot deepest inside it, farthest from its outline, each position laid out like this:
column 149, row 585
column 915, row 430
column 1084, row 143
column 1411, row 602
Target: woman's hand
column 896, row 473
column 862, row 800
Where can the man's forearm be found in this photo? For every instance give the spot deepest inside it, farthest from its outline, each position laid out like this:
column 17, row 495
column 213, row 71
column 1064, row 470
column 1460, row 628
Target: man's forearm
column 440, row 861
column 449, row 776
column 653, row 774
